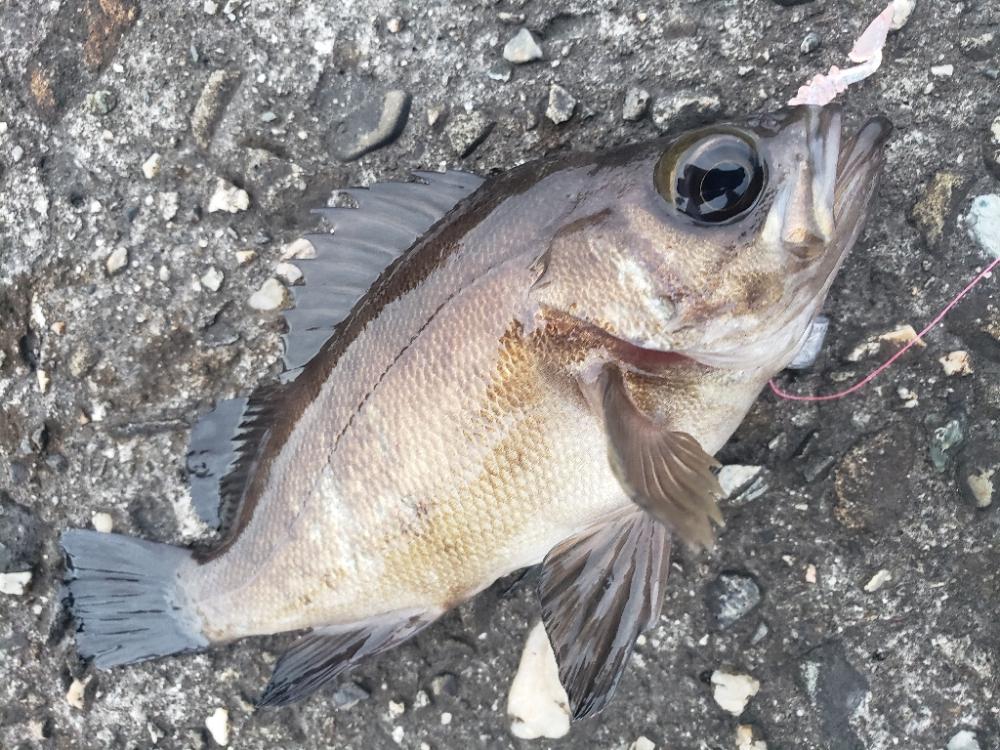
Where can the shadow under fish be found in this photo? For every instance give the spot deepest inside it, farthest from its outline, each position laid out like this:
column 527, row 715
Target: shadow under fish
column 484, row 375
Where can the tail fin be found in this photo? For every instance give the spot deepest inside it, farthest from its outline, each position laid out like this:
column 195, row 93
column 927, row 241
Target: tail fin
column 125, row 598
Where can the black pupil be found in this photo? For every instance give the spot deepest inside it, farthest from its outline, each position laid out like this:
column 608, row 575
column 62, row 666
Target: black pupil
column 718, row 179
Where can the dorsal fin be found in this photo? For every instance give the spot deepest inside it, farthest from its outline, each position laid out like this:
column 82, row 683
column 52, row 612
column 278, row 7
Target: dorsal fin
column 227, row 442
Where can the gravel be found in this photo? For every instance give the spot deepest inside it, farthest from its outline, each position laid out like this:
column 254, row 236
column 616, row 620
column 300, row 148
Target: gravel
column 142, row 351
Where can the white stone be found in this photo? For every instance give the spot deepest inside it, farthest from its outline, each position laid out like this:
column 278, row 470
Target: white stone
column 734, row 477
column 810, row 573
column 880, row 579
column 956, row 363
column 943, row 70
column 212, row 279
column 301, row 249
column 289, row 272
column 901, row 10
column 14, row 584
column 537, row 704
column 102, row 522
column 243, row 257
column 117, row 260
column 211, row 7
column 522, row 48
column 270, row 296
column 44, row 379
column 151, row 167
column 218, row 726
column 445, row 719
column 642, row 743
column 745, row 740
column 983, row 221
column 229, row 198
column 982, row 487
column 397, row 735
column 75, row 694
column 733, row 691
column 396, row 709
column 964, row 740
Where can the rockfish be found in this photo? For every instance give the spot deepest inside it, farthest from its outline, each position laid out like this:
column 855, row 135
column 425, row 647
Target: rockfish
column 485, row 375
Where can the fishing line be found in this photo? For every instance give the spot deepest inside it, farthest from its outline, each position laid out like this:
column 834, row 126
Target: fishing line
column 776, row 389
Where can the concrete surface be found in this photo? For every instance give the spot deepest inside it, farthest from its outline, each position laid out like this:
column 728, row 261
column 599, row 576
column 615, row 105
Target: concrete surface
column 102, row 371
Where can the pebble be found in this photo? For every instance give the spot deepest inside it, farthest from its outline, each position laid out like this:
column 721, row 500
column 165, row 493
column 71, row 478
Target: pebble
column 369, row 127
column 739, row 480
column 745, row 739
column 901, row 12
column 684, row 109
column 636, row 104
column 168, row 204
column 562, row 104
column 16, row 154
column 537, row 704
column 117, row 260
column 642, row 743
column 943, row 71
column 810, row 43
column 349, row 694
column 943, row 440
column 43, row 379
column 75, row 694
column 210, row 7
column 732, row 596
column 396, row 710
column 14, row 584
column 930, row 213
column 229, row 198
column 270, row 296
column 394, row 25
column 733, row 691
column 300, row 249
column 956, row 363
column 218, row 726
column 101, row 102
column 444, row 684
column 290, row 273
column 981, row 487
column 983, row 222
column 102, row 522
column 522, row 48
column 212, row 279
column 810, row 573
column 212, row 101
column 964, row 740
column 151, row 167
column 880, row 579
column 446, row 718
column 465, row 131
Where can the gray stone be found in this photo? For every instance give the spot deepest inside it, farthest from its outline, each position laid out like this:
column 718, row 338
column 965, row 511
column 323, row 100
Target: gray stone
column 102, row 102
column 373, row 125
column 215, row 96
column 636, row 104
column 349, row 694
column 680, row 110
column 944, row 439
column 732, row 596
column 522, row 48
column 561, row 104
column 810, row 43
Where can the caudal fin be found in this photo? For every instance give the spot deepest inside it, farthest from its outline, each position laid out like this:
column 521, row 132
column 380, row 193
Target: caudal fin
column 125, row 599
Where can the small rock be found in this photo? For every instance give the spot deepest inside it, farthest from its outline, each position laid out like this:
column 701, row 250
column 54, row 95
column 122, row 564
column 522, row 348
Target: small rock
column 810, row 573
column 14, row 584
column 501, row 72
column 964, row 740
column 16, row 154
column 289, row 273
column 732, row 596
column 943, row 440
column 212, row 101
column 270, row 296
column 901, row 12
column 349, row 695
column 981, row 487
column 117, row 260
column 102, row 522
column 43, row 379
column 561, row 104
column 733, row 691
column 76, row 693
column 981, row 47
column 506, row 16
column 446, row 718
column 943, row 71
column 744, row 482
column 394, row 25
column 244, row 257
column 212, row 279
column 300, row 249
column 642, row 743
column 810, row 43
column 373, row 125
column 522, row 48
column 101, row 102
column 466, row 131
column 537, row 704
column 932, row 211
column 229, row 198
column 82, row 360
column 151, row 167
column 682, row 110
column 956, row 363
column 396, row 710
column 983, row 221
column 444, row 684
column 746, row 739
column 168, row 204
column 210, row 7
column 636, row 104
column 218, row 726
column 880, row 579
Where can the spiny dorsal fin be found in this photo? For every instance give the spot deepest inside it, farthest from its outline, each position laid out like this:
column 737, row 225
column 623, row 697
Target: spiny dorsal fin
column 227, row 442
column 365, row 240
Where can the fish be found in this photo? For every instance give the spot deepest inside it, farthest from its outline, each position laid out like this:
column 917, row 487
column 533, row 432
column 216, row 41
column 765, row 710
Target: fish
column 484, row 375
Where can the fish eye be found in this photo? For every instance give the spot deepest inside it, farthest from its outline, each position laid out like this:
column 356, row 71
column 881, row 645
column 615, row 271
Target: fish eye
column 711, row 178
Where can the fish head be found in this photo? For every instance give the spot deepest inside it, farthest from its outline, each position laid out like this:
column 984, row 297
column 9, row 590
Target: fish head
column 726, row 239
column 779, row 203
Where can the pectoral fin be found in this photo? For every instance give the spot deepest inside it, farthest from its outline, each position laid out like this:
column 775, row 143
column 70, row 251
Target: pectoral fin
column 599, row 590
column 666, row 473
column 322, row 655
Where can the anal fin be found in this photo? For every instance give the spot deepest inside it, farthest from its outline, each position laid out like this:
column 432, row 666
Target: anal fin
column 322, row 655
column 599, row 590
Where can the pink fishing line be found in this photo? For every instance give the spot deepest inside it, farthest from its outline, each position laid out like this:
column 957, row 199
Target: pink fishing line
column 882, row 368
